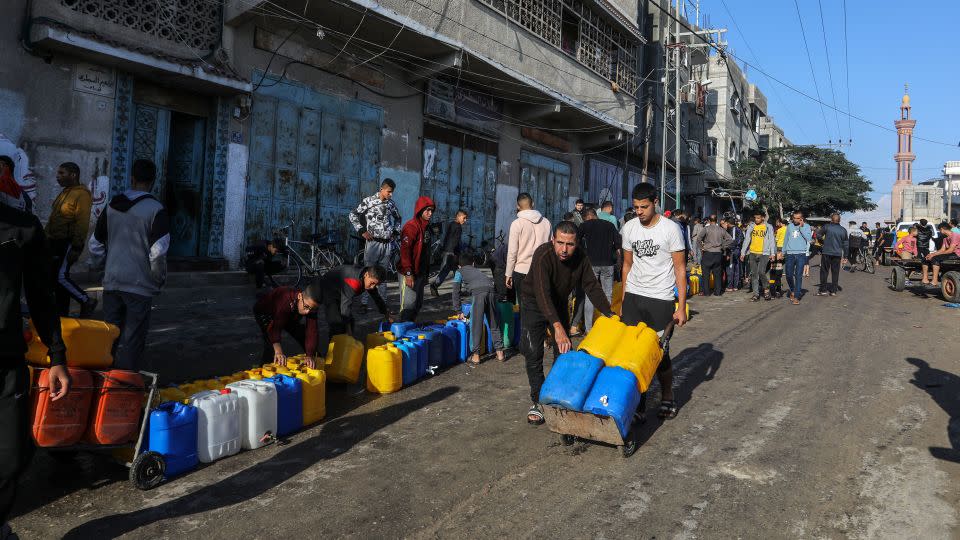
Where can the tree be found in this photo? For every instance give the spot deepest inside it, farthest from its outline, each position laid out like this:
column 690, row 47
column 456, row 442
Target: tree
column 815, row 180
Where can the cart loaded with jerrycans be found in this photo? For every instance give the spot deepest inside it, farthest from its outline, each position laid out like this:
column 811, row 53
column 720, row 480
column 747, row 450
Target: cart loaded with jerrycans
column 595, row 393
column 106, row 410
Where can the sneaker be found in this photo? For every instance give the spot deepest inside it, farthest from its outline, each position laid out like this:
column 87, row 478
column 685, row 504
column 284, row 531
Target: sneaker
column 833, row 294
column 821, row 293
column 434, row 291
column 754, row 298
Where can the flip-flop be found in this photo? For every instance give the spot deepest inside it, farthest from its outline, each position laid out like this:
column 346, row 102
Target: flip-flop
column 537, row 413
column 668, row 410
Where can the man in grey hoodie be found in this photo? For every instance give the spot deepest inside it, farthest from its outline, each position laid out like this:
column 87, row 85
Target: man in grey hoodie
column 528, row 232
column 131, row 240
column 759, row 245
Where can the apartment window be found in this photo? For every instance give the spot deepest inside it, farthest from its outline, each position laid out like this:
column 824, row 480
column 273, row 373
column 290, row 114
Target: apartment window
column 711, row 147
column 576, row 29
column 732, row 152
column 920, row 199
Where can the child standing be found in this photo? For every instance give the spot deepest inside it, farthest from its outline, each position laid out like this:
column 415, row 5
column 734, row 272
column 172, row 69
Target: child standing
column 484, row 303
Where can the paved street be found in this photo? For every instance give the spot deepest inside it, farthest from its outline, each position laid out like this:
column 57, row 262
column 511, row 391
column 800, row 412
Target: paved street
column 832, row 419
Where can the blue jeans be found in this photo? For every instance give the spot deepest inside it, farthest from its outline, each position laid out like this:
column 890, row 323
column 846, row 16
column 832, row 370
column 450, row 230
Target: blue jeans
column 793, row 267
column 605, row 277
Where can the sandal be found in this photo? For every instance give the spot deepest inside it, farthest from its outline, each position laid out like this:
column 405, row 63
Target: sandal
column 535, row 415
column 501, row 357
column 754, row 298
column 474, row 360
column 796, row 301
column 668, row 410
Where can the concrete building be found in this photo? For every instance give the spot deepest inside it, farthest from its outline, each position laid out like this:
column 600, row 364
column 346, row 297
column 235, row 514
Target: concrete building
column 949, row 182
column 262, row 113
column 919, row 201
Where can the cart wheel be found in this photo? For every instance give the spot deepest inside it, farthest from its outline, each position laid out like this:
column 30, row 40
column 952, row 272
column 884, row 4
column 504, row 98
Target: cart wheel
column 898, row 279
column 950, row 286
column 629, row 446
column 567, row 440
column 146, row 472
column 886, row 260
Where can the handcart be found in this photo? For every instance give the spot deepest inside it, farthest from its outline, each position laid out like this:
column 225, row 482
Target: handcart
column 571, row 425
column 146, row 468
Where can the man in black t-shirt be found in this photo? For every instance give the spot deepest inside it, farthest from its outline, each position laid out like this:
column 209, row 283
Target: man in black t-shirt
column 451, row 248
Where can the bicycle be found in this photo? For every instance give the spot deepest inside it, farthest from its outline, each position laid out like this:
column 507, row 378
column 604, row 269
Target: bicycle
column 322, row 257
column 864, row 260
column 391, row 267
column 485, row 257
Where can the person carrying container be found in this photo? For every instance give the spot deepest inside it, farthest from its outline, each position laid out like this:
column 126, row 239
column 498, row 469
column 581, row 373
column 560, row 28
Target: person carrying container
column 340, row 285
column 483, row 305
column 556, row 269
column 414, row 268
column 297, row 313
column 25, row 265
column 654, row 263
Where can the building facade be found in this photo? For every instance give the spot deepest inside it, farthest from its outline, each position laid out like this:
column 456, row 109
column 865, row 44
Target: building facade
column 261, row 114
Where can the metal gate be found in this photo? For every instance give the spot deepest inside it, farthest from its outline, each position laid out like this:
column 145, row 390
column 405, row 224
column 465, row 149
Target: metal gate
column 548, row 182
column 313, row 156
column 456, row 177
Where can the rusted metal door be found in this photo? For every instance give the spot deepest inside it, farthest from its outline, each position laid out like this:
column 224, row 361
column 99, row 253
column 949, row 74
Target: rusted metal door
column 456, row 178
column 548, row 182
column 312, row 157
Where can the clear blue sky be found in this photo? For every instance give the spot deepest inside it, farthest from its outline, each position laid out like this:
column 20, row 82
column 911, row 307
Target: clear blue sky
column 890, row 43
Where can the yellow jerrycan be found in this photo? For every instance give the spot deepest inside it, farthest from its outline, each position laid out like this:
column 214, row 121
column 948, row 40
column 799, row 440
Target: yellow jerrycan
column 344, row 357
column 638, row 351
column 314, row 385
column 616, row 301
column 254, row 374
column 694, row 285
column 172, row 394
column 384, row 369
column 676, row 306
column 603, row 337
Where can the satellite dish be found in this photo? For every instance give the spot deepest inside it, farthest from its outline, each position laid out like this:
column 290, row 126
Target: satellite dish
column 751, row 195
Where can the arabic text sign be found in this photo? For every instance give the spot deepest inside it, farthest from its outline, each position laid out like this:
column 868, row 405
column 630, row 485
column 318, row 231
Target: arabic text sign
column 94, row 79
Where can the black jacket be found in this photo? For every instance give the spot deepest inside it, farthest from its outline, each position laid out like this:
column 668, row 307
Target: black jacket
column 600, row 240
column 25, row 265
column 549, row 283
column 451, row 237
column 340, row 286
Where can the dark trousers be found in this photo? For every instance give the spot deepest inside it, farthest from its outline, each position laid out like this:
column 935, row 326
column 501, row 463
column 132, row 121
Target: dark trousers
column 16, row 448
column 533, row 330
column 518, row 286
column 449, row 265
column 712, row 263
column 262, row 270
column 578, row 307
column 500, row 285
column 735, row 270
column 411, row 299
column 66, row 289
column 829, row 264
column 131, row 313
column 484, row 305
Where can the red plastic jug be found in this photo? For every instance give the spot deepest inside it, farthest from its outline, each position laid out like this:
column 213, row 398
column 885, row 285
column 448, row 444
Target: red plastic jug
column 118, row 403
column 61, row 422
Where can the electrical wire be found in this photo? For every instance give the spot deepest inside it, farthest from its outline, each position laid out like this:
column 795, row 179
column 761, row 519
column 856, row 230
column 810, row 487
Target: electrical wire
column 756, row 60
column 790, row 87
column 813, row 72
column 826, row 48
column 846, row 64
column 272, row 58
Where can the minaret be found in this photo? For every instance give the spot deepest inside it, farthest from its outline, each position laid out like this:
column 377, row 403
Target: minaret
column 904, row 156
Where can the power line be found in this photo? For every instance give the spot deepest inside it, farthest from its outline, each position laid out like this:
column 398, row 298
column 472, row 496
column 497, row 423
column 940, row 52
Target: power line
column 813, row 72
column 724, row 52
column 826, row 48
column 846, row 64
column 756, row 59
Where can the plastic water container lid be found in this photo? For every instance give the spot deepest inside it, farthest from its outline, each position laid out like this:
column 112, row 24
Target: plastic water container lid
column 225, row 391
column 421, row 336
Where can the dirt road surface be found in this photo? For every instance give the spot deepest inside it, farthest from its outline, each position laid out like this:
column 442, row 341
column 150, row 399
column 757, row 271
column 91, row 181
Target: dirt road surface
column 837, row 418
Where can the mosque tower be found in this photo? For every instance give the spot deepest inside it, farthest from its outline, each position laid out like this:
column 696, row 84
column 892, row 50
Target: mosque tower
column 904, row 156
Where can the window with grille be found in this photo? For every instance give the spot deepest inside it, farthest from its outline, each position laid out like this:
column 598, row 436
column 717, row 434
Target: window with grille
column 192, row 23
column 920, row 199
column 577, row 30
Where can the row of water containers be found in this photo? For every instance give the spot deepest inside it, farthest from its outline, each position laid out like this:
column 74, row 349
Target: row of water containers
column 607, row 376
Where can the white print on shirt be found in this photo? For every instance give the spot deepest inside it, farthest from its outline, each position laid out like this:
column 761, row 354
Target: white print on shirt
column 645, row 248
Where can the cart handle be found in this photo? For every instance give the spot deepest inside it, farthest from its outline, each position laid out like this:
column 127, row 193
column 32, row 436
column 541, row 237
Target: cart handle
column 667, row 334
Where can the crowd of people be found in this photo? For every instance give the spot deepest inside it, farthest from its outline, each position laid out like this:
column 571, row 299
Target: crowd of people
column 541, row 268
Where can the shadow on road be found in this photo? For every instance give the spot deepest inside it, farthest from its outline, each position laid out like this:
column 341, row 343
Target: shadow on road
column 334, row 439
column 691, row 367
column 944, row 388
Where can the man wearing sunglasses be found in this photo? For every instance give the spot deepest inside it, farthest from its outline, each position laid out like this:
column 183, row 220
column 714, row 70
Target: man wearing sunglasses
column 296, row 312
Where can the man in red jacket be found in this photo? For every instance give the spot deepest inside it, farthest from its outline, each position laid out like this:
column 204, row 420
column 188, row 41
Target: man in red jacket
column 414, row 269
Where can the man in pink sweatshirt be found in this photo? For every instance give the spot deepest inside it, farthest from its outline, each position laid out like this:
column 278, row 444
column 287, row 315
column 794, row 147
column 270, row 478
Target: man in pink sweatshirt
column 528, row 232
